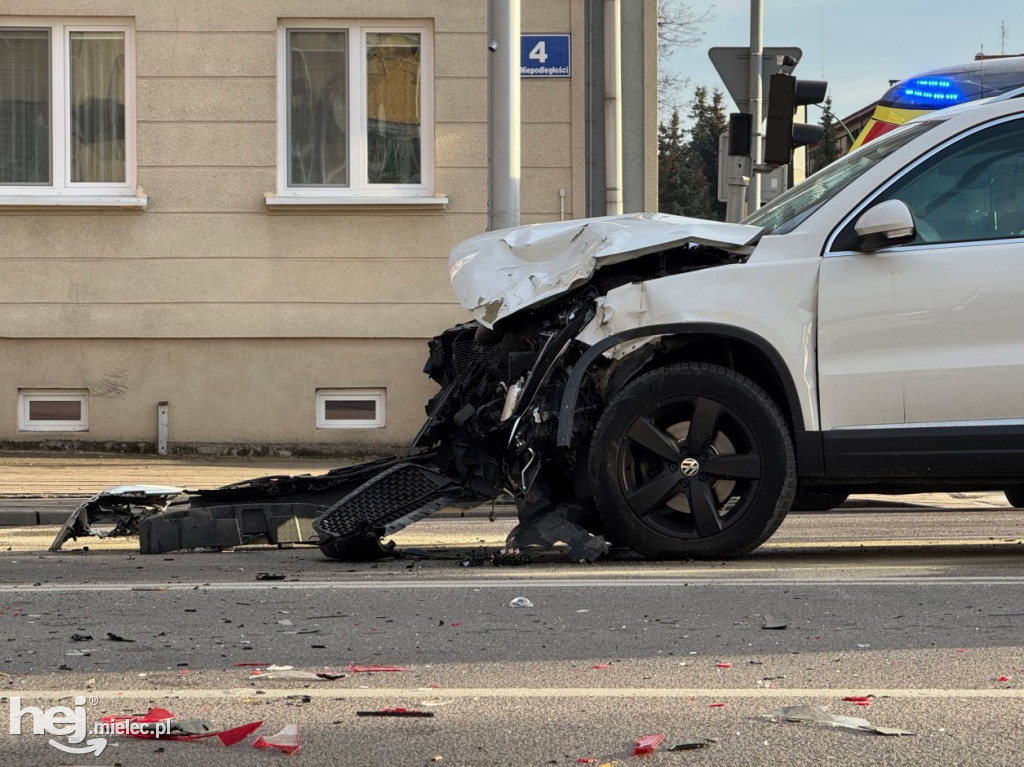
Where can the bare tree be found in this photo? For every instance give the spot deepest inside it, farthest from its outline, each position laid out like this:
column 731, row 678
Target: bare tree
column 679, row 26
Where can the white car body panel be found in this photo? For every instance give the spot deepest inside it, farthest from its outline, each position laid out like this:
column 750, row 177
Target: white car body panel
column 779, row 295
column 498, row 273
column 922, row 335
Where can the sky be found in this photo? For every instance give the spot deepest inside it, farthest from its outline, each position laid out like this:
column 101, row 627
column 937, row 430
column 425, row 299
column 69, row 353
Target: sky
column 857, row 45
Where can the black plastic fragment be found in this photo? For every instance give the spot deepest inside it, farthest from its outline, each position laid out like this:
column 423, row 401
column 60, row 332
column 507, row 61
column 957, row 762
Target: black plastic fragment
column 351, row 529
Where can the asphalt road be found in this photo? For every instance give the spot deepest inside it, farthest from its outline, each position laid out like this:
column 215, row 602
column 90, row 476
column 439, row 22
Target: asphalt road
column 919, row 607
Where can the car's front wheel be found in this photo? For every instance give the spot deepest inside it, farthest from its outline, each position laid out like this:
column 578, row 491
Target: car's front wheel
column 692, row 461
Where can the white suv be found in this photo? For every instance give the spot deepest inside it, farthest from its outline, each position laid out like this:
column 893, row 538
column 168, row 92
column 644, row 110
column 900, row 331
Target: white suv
column 689, row 381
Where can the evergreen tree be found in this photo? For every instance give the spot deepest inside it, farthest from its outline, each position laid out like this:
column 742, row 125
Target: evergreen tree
column 709, row 122
column 688, row 166
column 682, row 186
column 827, row 150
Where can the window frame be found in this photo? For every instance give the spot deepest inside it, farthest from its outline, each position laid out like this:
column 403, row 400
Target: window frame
column 378, row 396
column 27, row 396
column 60, row 185
column 358, row 189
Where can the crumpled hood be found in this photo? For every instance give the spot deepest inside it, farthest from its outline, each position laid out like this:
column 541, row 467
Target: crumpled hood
column 496, row 274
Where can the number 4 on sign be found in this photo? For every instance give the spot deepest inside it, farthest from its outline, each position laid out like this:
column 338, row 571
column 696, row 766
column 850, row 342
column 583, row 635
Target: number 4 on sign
column 539, row 52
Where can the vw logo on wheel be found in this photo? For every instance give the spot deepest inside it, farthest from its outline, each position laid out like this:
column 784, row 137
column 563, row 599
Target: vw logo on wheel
column 689, row 467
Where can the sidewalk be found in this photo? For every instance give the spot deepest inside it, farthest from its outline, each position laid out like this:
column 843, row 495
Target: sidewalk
column 55, row 475
column 43, row 488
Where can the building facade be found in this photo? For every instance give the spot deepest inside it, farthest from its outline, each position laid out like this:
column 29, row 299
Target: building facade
column 238, row 214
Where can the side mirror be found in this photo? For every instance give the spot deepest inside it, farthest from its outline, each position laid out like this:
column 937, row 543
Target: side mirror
column 887, row 224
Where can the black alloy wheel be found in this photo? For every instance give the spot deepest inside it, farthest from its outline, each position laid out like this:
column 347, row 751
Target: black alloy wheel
column 692, row 461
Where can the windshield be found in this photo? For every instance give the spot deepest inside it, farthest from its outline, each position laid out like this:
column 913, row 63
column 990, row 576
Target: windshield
column 785, row 213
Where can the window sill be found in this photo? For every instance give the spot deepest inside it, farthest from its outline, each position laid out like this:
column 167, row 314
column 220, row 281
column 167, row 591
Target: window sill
column 20, row 202
column 337, row 202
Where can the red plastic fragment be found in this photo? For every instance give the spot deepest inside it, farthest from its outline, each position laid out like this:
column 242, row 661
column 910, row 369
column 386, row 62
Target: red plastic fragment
column 355, row 669
column 859, row 698
column 723, row 665
column 716, row 705
column 455, row 624
column 586, row 760
column 287, row 740
column 600, row 666
column 647, row 744
column 1004, row 679
column 227, row 737
column 395, row 712
column 238, row 734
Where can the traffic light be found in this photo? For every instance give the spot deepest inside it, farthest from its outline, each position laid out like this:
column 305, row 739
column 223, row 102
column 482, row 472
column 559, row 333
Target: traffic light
column 782, row 135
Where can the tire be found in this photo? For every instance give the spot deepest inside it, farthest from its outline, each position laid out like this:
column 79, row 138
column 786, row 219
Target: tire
column 804, row 501
column 737, row 470
column 1015, row 495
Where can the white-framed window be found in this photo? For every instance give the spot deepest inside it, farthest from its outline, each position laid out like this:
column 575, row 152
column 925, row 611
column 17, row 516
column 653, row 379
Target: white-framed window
column 350, row 408
column 355, row 110
column 67, row 109
column 53, row 409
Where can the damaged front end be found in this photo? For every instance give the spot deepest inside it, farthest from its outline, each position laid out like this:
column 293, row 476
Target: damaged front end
column 516, row 409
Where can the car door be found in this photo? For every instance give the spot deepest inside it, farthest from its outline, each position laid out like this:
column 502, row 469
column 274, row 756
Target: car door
column 931, row 334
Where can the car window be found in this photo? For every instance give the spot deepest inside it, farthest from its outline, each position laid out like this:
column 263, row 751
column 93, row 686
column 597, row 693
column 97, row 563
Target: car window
column 972, row 190
column 786, row 212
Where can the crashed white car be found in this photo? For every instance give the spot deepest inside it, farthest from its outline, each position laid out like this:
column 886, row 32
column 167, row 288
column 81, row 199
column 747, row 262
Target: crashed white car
column 676, row 386
column 687, row 382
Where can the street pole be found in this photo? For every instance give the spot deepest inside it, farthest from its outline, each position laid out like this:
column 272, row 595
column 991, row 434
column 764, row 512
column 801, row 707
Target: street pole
column 756, row 53
column 613, row 107
column 503, row 121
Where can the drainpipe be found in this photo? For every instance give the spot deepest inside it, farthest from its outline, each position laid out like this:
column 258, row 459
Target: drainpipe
column 612, row 107
column 756, row 102
column 503, row 147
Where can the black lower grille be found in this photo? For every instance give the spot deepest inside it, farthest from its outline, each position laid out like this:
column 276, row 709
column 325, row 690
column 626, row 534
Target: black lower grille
column 387, row 503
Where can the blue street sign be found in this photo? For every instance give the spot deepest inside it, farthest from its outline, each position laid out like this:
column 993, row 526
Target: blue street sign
column 545, row 56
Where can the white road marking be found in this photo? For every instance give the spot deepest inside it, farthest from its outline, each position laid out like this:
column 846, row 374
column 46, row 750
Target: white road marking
column 335, row 693
column 503, row 582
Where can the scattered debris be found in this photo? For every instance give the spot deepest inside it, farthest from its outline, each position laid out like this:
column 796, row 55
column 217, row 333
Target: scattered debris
column 544, row 524
column 395, row 712
column 647, row 744
column 716, row 705
column 115, row 512
column 860, row 700
column 116, row 638
column 771, row 623
column 270, row 576
column 510, row 557
column 820, row 715
column 692, row 744
column 161, row 723
column 287, row 740
column 520, row 602
column 356, row 669
column 81, row 637
column 477, row 558
column 272, row 672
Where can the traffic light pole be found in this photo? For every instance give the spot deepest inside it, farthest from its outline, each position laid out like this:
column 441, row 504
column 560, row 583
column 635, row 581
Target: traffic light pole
column 755, row 103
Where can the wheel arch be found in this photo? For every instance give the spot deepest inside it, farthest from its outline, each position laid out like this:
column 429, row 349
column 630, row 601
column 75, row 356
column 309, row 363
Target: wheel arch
column 736, row 348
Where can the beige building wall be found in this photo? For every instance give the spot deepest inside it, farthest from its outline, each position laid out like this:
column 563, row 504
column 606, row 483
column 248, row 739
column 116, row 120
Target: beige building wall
column 233, row 310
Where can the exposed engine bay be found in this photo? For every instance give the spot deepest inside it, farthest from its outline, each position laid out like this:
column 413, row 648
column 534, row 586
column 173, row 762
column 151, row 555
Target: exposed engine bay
column 514, row 416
